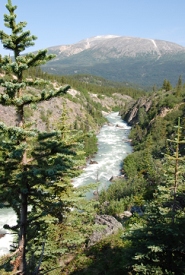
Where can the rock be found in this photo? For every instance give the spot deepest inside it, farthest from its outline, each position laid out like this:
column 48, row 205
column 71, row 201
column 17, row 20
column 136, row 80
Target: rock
column 127, row 140
column 113, row 178
column 104, row 113
column 93, row 162
column 111, row 226
column 105, row 203
column 137, row 209
column 73, row 92
column 125, row 214
column 119, row 126
column 95, row 192
column 132, row 113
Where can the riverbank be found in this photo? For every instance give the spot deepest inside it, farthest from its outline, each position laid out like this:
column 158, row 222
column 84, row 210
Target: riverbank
column 112, row 149
column 107, row 163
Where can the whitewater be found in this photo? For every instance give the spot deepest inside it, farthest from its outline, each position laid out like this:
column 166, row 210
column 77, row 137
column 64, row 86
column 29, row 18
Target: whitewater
column 113, row 147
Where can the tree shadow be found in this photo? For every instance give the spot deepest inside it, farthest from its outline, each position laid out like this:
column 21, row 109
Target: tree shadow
column 106, row 257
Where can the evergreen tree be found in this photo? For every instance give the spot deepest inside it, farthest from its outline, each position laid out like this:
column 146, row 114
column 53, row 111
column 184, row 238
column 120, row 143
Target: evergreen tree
column 166, row 85
column 35, row 167
column 1, row 59
column 179, row 86
column 158, row 238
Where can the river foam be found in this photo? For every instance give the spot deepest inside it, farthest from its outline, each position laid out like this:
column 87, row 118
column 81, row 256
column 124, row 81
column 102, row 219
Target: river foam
column 112, row 149
column 7, row 216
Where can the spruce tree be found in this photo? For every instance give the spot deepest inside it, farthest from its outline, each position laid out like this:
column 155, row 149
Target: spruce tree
column 179, row 86
column 35, row 167
column 166, row 85
column 158, row 237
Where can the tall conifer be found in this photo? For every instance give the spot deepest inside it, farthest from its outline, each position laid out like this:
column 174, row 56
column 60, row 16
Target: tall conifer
column 158, row 245
column 35, row 167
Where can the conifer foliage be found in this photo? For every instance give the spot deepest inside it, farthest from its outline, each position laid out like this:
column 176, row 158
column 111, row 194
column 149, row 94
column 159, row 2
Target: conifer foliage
column 157, row 239
column 35, row 167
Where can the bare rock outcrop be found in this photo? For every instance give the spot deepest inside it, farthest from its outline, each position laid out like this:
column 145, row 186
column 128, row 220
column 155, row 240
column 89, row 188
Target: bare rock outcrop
column 131, row 115
column 109, row 226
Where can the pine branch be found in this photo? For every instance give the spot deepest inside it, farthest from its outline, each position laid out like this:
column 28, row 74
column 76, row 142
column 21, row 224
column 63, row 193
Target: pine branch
column 17, row 131
column 40, row 260
column 38, row 59
column 6, row 100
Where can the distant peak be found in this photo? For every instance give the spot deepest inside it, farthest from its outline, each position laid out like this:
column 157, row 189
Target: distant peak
column 105, row 36
column 99, row 37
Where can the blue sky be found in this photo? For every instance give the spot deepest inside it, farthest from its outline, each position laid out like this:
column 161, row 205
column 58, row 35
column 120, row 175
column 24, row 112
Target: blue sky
column 62, row 22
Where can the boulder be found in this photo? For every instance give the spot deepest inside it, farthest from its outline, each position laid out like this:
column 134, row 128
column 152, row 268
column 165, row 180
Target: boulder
column 93, row 162
column 95, row 192
column 109, row 226
column 119, row 126
column 125, row 214
column 114, row 178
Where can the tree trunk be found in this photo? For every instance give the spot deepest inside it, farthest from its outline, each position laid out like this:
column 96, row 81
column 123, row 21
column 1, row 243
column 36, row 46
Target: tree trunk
column 24, row 199
column 22, row 234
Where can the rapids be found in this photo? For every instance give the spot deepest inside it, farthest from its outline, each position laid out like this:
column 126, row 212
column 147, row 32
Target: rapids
column 113, row 147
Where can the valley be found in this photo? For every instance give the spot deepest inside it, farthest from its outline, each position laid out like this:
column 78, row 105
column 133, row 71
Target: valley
column 106, row 192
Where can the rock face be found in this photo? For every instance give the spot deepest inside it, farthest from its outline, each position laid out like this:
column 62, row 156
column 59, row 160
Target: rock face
column 136, row 111
column 131, row 115
column 111, row 226
column 48, row 113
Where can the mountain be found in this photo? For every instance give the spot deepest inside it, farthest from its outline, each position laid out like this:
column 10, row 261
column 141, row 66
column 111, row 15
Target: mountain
column 146, row 62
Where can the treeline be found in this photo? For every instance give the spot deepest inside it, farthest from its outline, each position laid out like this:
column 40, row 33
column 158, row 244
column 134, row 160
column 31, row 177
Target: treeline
column 89, row 83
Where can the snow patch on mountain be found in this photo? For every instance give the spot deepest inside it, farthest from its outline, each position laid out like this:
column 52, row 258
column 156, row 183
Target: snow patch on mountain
column 156, row 47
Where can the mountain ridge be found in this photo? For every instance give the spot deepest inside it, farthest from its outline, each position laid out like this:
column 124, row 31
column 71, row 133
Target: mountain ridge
column 120, row 58
column 159, row 46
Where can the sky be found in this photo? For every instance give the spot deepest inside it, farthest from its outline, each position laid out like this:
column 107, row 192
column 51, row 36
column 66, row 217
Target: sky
column 64, row 22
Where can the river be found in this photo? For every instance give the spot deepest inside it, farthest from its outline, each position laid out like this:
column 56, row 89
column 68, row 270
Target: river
column 113, row 147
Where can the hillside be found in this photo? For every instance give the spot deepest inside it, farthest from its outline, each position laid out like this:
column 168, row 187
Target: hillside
column 145, row 62
column 149, row 200
column 83, row 106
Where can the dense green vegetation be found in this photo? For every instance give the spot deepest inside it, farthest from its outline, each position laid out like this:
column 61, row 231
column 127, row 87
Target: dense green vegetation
column 89, row 83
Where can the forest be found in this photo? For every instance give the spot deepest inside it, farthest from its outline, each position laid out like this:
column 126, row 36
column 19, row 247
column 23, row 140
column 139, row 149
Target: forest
column 54, row 219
